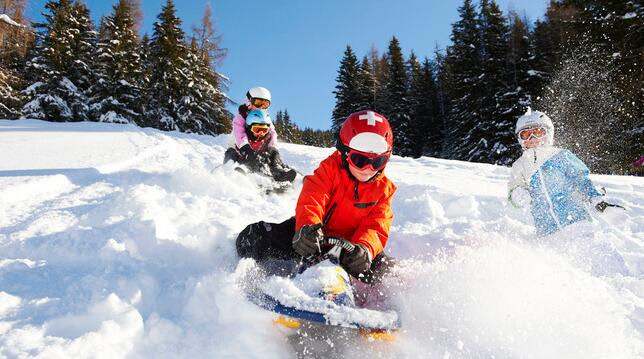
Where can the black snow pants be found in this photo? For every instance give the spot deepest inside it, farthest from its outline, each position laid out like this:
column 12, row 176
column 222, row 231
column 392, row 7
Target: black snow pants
column 264, row 242
column 267, row 161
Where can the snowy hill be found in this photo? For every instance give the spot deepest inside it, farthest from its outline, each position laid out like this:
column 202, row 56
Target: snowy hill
column 117, row 241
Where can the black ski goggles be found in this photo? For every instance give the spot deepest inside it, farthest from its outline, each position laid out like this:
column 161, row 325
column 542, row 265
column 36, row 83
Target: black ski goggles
column 361, row 160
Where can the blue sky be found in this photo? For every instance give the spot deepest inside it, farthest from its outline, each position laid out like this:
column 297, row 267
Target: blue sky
column 293, row 47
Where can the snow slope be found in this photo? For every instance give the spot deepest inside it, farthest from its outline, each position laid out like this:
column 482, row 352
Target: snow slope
column 117, row 241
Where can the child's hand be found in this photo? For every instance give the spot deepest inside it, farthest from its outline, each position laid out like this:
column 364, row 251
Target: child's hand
column 601, row 205
column 247, row 153
column 356, row 262
column 306, row 241
column 520, row 197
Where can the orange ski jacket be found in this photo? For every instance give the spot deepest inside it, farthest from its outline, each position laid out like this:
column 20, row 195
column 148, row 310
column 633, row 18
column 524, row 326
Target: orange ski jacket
column 357, row 211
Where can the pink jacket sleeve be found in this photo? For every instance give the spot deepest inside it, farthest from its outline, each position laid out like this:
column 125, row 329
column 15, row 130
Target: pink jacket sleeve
column 273, row 137
column 238, row 131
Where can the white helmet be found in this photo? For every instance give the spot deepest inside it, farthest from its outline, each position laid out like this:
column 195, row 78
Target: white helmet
column 258, row 92
column 532, row 119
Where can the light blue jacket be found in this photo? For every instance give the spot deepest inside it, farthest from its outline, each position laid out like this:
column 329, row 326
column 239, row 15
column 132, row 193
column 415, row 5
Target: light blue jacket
column 558, row 184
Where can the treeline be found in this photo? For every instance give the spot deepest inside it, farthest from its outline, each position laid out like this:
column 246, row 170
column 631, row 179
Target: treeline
column 72, row 70
column 581, row 63
column 288, row 131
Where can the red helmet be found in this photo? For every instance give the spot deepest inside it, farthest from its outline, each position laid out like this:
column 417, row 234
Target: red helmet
column 366, row 131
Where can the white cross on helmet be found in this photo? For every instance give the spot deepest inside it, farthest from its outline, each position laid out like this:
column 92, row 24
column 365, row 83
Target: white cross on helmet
column 371, row 118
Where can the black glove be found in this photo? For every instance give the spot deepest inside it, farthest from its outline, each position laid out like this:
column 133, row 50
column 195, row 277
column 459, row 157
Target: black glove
column 247, row 153
column 306, row 240
column 356, row 262
column 601, row 206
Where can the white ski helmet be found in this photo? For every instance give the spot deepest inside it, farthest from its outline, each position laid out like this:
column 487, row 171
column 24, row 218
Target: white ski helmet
column 532, row 119
column 258, row 92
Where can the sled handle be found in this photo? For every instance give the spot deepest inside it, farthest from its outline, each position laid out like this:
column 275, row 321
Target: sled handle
column 326, row 241
column 333, row 241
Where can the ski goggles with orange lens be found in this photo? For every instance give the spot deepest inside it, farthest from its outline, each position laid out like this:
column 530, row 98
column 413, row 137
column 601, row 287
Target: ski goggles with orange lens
column 260, row 103
column 361, row 160
column 259, row 130
column 537, row 132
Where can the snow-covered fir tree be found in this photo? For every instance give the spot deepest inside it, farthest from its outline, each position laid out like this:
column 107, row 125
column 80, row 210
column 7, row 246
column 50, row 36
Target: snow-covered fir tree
column 443, row 84
column 15, row 40
column 426, row 137
column 348, row 98
column 614, row 32
column 367, row 85
column 82, row 72
column 146, row 75
column 493, row 138
column 169, row 70
column 396, row 105
column 59, row 71
column 598, row 35
column 116, row 95
column 463, row 62
column 318, row 138
column 10, row 97
column 182, row 90
column 379, row 66
column 206, row 104
column 201, row 109
column 286, row 130
column 520, row 59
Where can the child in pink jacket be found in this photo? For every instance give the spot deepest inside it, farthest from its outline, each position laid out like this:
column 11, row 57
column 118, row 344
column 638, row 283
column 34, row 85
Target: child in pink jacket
column 257, row 98
column 255, row 138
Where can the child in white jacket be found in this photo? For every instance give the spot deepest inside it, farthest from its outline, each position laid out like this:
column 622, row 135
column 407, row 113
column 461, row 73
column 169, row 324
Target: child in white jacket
column 555, row 184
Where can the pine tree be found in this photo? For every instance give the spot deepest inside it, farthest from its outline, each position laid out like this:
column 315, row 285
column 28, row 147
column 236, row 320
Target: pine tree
column 549, row 38
column 590, row 57
column 612, row 31
column 279, row 125
column 205, row 104
column 347, row 94
column 10, row 97
column 170, row 64
column 15, row 40
column 81, row 73
column 286, row 130
column 318, row 138
column 379, row 67
column 417, row 112
column 368, row 85
column 117, row 92
column 396, row 106
column 465, row 69
column 493, row 136
column 443, row 85
column 146, row 76
column 58, row 70
column 522, row 79
column 201, row 109
column 520, row 59
column 426, row 137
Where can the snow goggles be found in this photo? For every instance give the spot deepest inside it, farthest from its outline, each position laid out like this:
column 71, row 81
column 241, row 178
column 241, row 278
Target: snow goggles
column 259, row 130
column 361, row 160
column 260, row 103
column 537, row 132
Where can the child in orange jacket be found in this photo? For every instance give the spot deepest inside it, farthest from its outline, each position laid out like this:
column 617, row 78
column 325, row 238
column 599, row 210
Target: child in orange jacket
column 348, row 196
